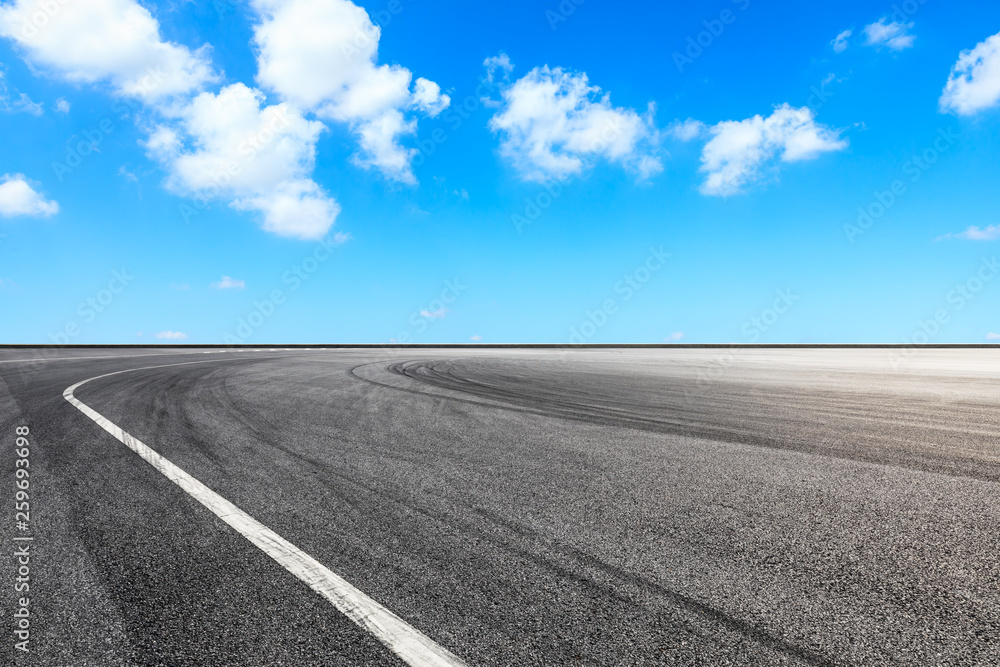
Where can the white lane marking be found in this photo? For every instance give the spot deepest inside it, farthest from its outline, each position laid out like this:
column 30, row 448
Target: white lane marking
column 411, row 645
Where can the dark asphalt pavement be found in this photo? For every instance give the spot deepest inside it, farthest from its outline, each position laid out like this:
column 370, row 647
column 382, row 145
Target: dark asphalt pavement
column 605, row 507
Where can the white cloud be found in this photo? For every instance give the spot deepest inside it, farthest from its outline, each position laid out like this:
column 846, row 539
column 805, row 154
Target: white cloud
column 992, row 336
column 434, row 314
column 228, row 145
column 674, row 337
column 687, row 130
column 738, row 150
column 300, row 209
column 499, row 62
column 894, row 35
column 231, row 146
column 974, row 83
column 115, row 41
column 991, row 233
column 554, row 125
column 229, row 283
column 476, row 339
column 321, row 56
column 428, row 98
column 841, row 41
column 171, row 335
column 19, row 198
column 21, row 103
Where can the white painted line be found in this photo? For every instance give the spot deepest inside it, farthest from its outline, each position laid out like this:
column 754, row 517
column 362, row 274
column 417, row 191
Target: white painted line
column 411, row 645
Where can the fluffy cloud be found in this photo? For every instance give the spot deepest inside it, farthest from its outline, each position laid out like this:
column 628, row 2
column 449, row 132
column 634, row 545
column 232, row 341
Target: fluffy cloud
column 738, row 150
column 992, row 336
column 116, row 41
column 840, row 42
column 231, row 145
column 19, row 198
column 298, row 208
column 171, row 335
column 991, row 233
column 974, row 83
column 554, row 125
column 894, row 35
column 321, row 56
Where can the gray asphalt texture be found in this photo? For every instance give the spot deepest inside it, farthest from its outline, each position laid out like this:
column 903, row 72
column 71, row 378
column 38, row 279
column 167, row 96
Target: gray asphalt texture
column 593, row 507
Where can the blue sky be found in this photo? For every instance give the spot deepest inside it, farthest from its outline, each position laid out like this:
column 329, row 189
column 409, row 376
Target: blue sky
column 282, row 171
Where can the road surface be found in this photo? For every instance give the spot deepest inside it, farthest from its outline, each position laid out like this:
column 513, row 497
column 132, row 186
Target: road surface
column 506, row 507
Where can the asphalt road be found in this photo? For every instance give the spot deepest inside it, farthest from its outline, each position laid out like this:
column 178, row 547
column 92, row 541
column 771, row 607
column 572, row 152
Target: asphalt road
column 677, row 507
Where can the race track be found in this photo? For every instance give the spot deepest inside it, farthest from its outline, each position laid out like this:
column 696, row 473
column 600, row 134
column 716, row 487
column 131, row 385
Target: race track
column 510, row 507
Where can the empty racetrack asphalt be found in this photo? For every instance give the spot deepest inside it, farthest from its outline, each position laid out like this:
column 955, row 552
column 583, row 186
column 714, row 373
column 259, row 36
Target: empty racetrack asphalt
column 516, row 507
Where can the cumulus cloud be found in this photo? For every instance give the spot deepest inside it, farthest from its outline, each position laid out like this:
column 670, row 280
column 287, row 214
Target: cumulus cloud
column 476, row 339
column 990, row 233
column 171, row 335
column 299, row 209
column 992, row 336
column 674, row 337
column 428, row 98
column 554, row 125
column 18, row 198
column 974, row 84
column 229, row 283
column 894, row 35
column 317, row 57
column 841, row 41
column 738, row 150
column 321, row 56
column 113, row 41
column 258, row 157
